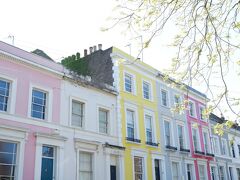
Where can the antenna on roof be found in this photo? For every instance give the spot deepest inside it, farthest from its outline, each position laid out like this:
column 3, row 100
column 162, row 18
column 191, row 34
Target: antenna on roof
column 11, row 37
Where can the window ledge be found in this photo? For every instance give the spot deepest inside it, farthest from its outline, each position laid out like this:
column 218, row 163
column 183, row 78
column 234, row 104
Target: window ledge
column 133, row 140
column 172, row 148
column 210, row 154
column 152, row 144
column 199, row 152
column 183, row 150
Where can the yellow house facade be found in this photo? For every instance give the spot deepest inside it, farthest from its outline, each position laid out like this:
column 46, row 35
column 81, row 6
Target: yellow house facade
column 139, row 118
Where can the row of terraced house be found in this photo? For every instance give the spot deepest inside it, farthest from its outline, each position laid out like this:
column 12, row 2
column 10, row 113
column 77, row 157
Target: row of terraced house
column 117, row 123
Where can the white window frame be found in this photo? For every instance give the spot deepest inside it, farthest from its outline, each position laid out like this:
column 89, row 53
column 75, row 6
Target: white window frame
column 19, row 136
column 184, row 135
column 49, row 102
column 194, row 109
column 133, row 108
column 179, row 168
column 12, row 93
column 133, row 83
column 144, row 156
column 150, row 90
column 108, row 119
column 167, row 97
column 198, row 139
column 150, row 113
column 162, row 161
column 172, row 139
column 201, row 106
column 216, row 171
column 53, row 158
column 193, row 170
column 226, row 147
column 205, row 169
column 59, row 144
column 92, row 162
column 209, row 150
column 216, row 145
column 179, row 97
column 71, row 99
column 224, row 170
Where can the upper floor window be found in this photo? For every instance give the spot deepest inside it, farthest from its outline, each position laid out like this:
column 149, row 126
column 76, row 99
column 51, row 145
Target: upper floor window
column 149, row 131
column 181, row 136
column 195, row 139
column 138, row 168
column 190, row 172
column 206, row 142
column 213, row 172
column 238, row 150
column 201, row 111
column 128, row 83
column 164, row 97
column 77, row 113
column 224, row 147
column 233, row 150
column 39, row 99
column 191, row 109
column 168, row 137
column 238, row 173
column 146, row 90
column 130, row 124
column 8, row 160
column 215, row 145
column 4, row 95
column 103, row 121
column 177, row 99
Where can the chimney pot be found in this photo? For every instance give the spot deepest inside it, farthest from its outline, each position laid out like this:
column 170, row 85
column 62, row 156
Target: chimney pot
column 99, row 46
column 90, row 50
column 85, row 52
column 94, row 48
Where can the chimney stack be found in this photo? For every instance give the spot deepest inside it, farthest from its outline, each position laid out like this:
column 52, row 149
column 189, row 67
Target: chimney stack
column 90, row 50
column 94, row 48
column 85, row 52
column 99, row 46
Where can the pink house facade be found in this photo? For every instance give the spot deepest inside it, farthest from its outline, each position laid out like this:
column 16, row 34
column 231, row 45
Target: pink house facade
column 199, row 135
column 29, row 112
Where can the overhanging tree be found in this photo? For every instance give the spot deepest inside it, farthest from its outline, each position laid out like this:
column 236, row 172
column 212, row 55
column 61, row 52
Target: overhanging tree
column 207, row 43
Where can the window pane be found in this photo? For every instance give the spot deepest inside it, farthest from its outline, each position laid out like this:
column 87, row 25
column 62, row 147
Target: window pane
column 103, row 121
column 47, row 151
column 128, row 82
column 138, row 168
column 180, row 136
column 167, row 133
column 4, row 95
column 164, row 97
column 130, row 123
column 146, row 90
column 77, row 113
column 85, row 166
column 7, row 160
column 148, row 120
column 38, row 104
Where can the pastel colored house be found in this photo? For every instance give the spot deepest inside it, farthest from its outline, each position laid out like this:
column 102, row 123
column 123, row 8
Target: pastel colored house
column 137, row 110
column 29, row 114
column 54, row 125
column 199, row 134
column 174, row 132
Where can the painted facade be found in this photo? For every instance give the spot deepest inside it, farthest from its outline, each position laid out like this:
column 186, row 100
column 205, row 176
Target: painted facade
column 41, row 109
column 174, row 132
column 199, row 135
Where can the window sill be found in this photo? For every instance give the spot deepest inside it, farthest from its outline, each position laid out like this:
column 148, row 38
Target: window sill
column 138, row 141
column 182, row 150
column 152, row 144
column 171, row 148
column 210, row 154
column 130, row 93
column 199, row 152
